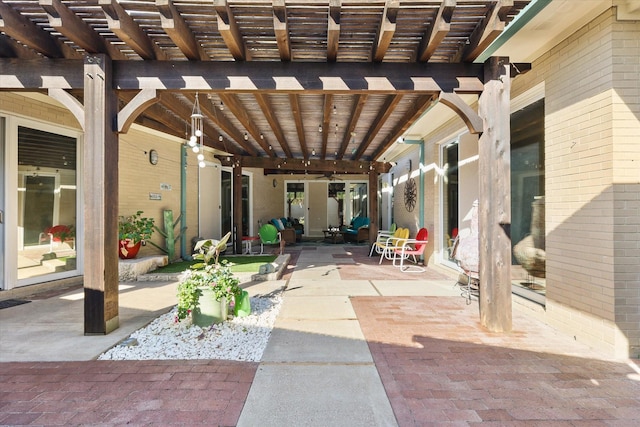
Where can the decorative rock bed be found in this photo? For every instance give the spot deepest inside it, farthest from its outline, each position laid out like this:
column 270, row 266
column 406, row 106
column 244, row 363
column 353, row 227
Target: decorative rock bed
column 241, row 338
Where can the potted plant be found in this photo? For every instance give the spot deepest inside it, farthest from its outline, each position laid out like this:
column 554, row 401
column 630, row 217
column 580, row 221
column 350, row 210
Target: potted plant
column 133, row 230
column 204, row 292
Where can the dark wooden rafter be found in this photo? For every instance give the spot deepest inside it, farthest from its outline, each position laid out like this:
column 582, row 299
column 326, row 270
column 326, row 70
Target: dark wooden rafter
column 129, row 31
column 178, row 30
column 294, row 100
column 229, row 31
column 267, row 110
column 333, row 30
column 353, row 121
column 281, row 29
column 386, row 30
column 417, row 109
column 20, row 28
column 240, row 112
column 437, row 32
column 226, row 126
column 64, row 20
column 312, row 165
column 383, row 115
column 488, row 30
column 326, row 123
column 9, row 48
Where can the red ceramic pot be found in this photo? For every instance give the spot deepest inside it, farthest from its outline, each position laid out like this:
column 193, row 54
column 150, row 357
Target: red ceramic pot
column 128, row 250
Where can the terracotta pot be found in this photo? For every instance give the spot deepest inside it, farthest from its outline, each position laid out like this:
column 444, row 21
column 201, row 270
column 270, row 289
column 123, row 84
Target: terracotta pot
column 127, row 249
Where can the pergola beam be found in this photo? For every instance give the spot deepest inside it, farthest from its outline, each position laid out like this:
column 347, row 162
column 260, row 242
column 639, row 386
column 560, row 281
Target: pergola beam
column 294, row 100
column 229, row 30
column 437, row 32
column 129, row 31
column 492, row 26
column 353, row 121
column 386, row 30
column 271, row 77
column 240, row 112
column 179, row 31
column 267, row 110
column 281, row 29
column 312, row 165
column 64, row 20
column 333, row 30
column 383, row 115
column 22, row 29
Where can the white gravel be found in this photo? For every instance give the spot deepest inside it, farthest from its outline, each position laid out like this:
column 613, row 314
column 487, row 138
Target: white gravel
column 242, row 338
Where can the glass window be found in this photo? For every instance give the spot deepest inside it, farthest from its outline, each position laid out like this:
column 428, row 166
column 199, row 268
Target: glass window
column 449, row 198
column 46, row 203
column 527, row 200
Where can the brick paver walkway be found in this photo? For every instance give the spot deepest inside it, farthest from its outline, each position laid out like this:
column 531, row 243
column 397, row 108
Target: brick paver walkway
column 185, row 392
column 438, row 366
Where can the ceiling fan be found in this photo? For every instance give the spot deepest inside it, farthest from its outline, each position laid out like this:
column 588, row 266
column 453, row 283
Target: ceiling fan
column 329, row 176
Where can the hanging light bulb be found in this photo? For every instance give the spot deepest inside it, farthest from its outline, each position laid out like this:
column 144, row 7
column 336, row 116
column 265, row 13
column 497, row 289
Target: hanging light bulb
column 246, row 136
column 200, row 157
column 202, row 164
column 313, row 151
column 196, row 149
column 335, row 111
column 320, row 128
column 220, row 138
column 221, row 105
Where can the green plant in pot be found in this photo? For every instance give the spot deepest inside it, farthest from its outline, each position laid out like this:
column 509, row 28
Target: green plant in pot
column 205, row 290
column 133, row 230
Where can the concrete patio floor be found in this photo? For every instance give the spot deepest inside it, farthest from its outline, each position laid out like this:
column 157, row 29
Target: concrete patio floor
column 355, row 344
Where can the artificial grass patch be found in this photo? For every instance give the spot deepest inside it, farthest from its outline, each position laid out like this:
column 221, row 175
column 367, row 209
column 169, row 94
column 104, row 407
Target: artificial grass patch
column 240, row 264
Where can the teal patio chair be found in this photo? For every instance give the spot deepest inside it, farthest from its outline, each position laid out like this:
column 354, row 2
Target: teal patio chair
column 269, row 235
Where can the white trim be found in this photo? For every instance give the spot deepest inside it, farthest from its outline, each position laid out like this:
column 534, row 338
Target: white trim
column 532, row 95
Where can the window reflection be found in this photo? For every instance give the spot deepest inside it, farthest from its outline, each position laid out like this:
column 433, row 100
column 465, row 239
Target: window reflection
column 46, row 203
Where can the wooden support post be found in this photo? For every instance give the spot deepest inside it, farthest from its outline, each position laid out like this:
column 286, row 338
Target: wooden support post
column 100, row 178
column 237, row 209
column 373, row 206
column 495, row 197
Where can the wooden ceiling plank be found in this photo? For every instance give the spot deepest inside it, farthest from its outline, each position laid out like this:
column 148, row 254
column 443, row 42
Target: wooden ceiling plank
column 9, row 48
column 418, row 109
column 267, row 110
column 20, row 28
column 281, row 28
column 437, row 32
column 229, row 30
column 488, row 30
column 225, row 125
column 333, row 30
column 294, row 100
column 383, row 115
column 353, row 121
column 386, row 30
column 127, row 30
column 179, row 31
column 237, row 109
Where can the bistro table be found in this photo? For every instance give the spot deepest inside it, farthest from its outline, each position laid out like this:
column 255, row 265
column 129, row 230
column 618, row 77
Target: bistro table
column 334, row 235
column 248, row 241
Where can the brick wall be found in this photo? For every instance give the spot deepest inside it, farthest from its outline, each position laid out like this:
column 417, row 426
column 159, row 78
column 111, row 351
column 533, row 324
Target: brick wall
column 592, row 183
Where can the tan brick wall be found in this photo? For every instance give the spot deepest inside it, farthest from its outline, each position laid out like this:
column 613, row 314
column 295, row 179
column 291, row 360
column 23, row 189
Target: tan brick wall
column 593, row 183
column 139, row 178
column 29, row 105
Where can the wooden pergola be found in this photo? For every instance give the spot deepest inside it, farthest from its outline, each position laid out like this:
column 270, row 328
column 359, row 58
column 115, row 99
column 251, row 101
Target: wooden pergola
column 277, row 81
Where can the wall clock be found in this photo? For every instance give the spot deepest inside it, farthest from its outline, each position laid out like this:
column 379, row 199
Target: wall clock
column 153, row 157
column 410, row 194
